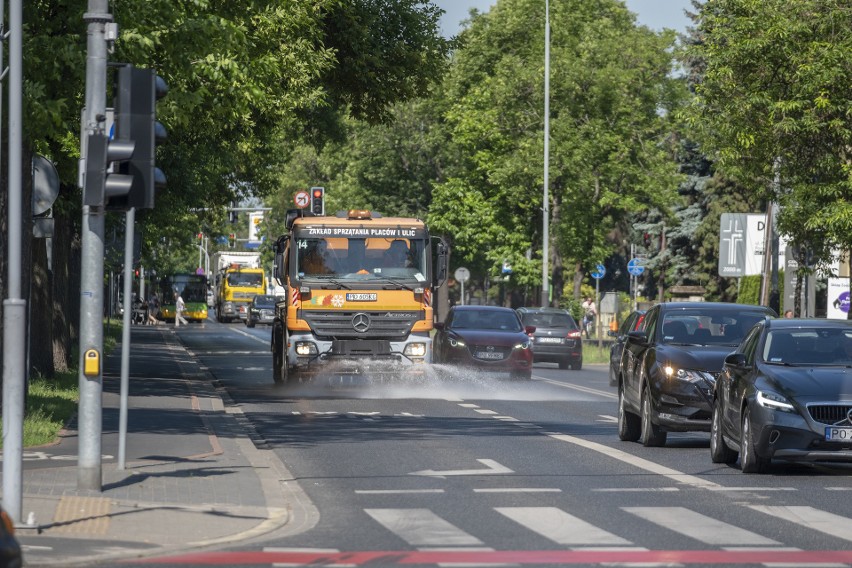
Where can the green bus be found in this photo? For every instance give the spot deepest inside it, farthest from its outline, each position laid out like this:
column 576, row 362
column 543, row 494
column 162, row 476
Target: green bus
column 193, row 289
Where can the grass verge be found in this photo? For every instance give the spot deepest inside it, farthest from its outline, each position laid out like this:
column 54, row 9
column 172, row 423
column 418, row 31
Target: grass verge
column 51, row 402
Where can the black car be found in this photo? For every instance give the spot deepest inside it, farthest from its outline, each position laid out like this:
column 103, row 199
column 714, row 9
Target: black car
column 557, row 337
column 261, row 310
column 631, row 323
column 669, row 367
column 485, row 338
column 10, row 549
column 785, row 393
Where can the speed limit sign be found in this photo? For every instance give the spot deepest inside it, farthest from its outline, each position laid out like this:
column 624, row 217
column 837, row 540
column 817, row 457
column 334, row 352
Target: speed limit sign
column 301, row 199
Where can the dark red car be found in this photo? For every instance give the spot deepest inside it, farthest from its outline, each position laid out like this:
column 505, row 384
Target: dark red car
column 487, row 338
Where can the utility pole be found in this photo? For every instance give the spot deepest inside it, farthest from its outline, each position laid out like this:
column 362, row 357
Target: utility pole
column 545, row 238
column 89, row 473
column 14, row 307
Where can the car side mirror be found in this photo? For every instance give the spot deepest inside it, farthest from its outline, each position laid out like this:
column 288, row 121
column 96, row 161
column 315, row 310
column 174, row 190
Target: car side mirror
column 736, row 360
column 637, row 337
column 438, row 325
column 530, row 329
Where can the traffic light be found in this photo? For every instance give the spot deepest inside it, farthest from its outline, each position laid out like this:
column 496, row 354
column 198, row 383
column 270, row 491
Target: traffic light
column 101, row 154
column 137, row 93
column 232, row 240
column 318, row 200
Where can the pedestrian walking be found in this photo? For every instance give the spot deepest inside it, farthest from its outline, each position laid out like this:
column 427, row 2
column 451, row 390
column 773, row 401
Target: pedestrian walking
column 590, row 312
column 180, row 307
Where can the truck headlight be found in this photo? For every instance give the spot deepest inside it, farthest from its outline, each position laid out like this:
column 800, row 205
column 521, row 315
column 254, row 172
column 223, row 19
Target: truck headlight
column 305, row 348
column 415, row 350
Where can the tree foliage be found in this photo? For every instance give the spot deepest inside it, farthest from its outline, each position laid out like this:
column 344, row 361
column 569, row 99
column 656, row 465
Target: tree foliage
column 776, row 92
column 610, row 88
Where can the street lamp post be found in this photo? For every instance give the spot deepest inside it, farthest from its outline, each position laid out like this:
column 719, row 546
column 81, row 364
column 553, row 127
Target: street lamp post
column 545, row 281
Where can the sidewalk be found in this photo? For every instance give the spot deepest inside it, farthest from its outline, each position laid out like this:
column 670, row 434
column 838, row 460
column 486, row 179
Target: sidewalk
column 193, row 477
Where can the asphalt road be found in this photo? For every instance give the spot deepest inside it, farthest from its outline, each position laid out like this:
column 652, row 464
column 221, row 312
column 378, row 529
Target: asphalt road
column 467, row 469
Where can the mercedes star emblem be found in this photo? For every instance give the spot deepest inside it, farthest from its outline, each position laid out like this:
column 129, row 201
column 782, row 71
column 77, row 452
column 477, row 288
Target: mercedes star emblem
column 361, row 322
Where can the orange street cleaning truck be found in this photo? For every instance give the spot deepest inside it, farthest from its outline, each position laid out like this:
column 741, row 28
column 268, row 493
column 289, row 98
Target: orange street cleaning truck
column 359, row 291
column 238, row 277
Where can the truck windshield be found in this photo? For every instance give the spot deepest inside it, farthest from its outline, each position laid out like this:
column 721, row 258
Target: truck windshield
column 245, row 279
column 362, row 258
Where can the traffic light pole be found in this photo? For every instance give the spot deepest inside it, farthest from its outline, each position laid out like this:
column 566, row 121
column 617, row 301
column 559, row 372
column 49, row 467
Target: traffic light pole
column 129, row 224
column 89, row 474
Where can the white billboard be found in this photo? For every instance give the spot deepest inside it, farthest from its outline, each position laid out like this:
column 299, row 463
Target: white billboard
column 742, row 240
column 255, row 219
column 837, row 298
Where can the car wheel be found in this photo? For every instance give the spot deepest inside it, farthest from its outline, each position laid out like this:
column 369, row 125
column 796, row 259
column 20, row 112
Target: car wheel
column 652, row 435
column 719, row 450
column 750, row 462
column 577, row 365
column 628, row 423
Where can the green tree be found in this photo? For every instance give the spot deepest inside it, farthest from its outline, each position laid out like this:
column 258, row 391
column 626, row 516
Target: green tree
column 775, row 89
column 610, row 92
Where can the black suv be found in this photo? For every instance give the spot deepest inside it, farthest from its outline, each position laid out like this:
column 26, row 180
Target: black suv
column 670, row 365
column 557, row 337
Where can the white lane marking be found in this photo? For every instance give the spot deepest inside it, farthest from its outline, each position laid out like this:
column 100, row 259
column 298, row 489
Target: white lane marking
column 468, row 405
column 587, row 390
column 700, row 527
column 396, row 491
column 484, row 411
column 506, row 418
column 635, row 461
column 636, row 489
column 422, row 527
column 753, row 489
column 259, row 340
column 492, row 467
column 559, row 526
column 822, row 521
column 517, row 490
column 838, row 488
column 607, row 418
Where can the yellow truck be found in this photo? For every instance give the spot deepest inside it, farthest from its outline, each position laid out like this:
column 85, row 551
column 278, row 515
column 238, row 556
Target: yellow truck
column 358, row 294
column 238, row 278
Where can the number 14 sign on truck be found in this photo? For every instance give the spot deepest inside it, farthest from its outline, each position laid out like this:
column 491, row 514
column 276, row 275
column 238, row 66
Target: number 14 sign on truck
column 358, row 295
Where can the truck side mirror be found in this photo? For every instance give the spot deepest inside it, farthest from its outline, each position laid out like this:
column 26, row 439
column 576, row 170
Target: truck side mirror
column 279, row 270
column 443, row 267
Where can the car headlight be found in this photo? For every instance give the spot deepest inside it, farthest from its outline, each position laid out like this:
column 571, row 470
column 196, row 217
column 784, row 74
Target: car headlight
column 524, row 345
column 689, row 375
column 415, row 350
column 455, row 342
column 774, row 401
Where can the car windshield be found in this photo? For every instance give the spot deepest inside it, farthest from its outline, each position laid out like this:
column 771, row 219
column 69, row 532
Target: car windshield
column 264, row 301
column 486, row 319
column 549, row 320
column 245, row 279
column 708, row 327
column 809, row 346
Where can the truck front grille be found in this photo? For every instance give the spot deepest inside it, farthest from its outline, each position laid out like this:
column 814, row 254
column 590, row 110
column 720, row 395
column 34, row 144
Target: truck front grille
column 350, row 324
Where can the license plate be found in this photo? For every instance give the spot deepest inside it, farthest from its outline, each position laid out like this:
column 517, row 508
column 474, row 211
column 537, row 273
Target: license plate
column 352, row 297
column 550, row 340
column 838, row 434
column 488, row 355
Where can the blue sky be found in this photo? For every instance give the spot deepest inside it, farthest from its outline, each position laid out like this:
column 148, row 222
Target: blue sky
column 655, row 14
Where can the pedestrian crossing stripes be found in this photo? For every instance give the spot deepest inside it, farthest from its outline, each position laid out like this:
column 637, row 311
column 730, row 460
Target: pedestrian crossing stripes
column 422, row 527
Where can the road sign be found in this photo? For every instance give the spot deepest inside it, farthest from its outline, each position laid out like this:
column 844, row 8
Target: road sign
column 600, row 272
column 301, row 199
column 462, row 274
column 634, row 267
